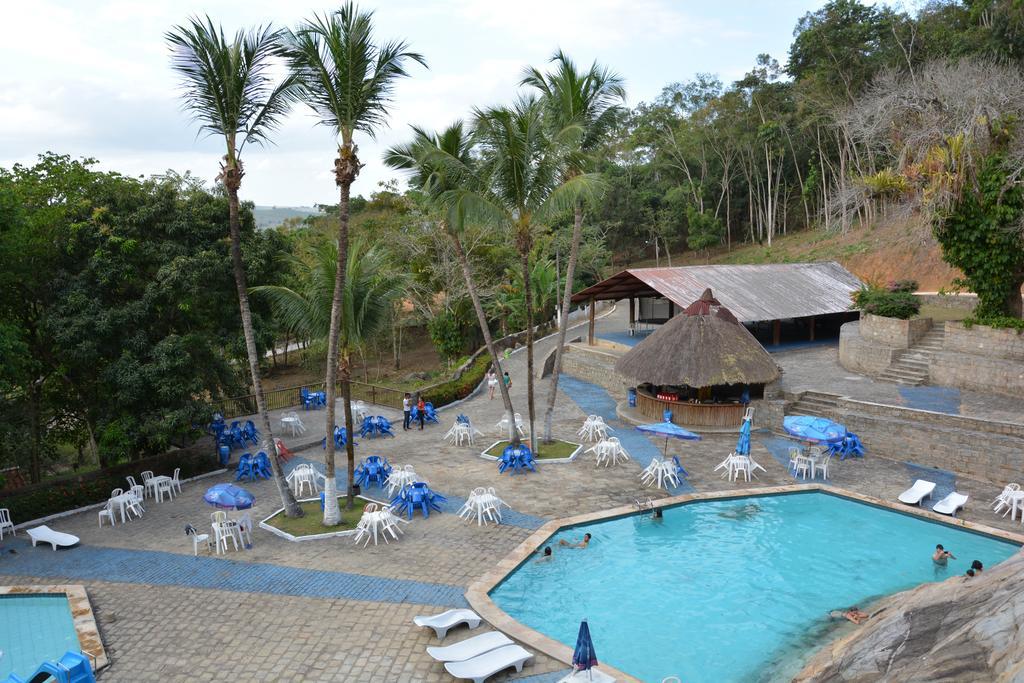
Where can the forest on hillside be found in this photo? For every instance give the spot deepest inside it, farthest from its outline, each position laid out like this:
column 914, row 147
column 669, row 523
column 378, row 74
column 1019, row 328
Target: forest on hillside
column 120, row 313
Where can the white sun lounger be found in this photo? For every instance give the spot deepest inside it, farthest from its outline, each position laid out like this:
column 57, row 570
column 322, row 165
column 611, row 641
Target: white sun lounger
column 486, row 665
column 950, row 504
column 446, row 620
column 44, row 534
column 469, row 648
column 919, row 491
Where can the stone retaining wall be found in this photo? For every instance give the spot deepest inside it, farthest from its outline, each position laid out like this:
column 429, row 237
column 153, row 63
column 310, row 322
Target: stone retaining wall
column 595, row 366
column 980, row 449
column 965, row 301
column 900, row 334
column 980, row 358
column 861, row 355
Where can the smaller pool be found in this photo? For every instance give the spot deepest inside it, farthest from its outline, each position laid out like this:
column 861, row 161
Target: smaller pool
column 33, row 628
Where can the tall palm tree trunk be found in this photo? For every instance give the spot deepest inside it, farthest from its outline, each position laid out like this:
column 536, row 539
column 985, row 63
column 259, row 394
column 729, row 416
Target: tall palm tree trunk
column 481, row 317
column 232, row 180
column 345, row 171
column 528, row 302
column 350, row 452
column 563, row 319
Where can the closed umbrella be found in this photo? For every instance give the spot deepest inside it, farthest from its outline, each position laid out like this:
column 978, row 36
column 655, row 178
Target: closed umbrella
column 584, row 657
column 229, row 497
column 743, row 444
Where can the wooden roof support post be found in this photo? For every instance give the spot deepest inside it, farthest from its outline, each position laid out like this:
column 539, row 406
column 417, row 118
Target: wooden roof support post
column 776, row 332
column 632, row 315
column 591, row 305
column 811, row 325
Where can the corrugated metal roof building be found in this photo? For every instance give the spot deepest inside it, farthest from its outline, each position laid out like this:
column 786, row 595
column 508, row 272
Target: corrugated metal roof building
column 754, row 293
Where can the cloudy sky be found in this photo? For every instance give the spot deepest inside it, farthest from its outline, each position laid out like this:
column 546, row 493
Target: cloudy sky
column 92, row 78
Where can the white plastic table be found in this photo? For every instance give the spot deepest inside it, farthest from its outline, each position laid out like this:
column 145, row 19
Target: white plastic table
column 482, row 505
column 400, row 478
column 378, row 523
column 1017, row 501
column 293, row 424
column 154, row 483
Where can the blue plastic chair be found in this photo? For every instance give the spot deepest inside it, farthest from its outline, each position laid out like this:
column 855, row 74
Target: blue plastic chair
column 418, row 495
column 368, row 428
column 679, row 467
column 261, row 465
column 430, row 414
column 244, row 468
column 383, row 426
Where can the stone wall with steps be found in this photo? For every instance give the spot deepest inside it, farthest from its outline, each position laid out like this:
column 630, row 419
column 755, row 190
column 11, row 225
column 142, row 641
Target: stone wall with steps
column 980, row 358
column 976, row 448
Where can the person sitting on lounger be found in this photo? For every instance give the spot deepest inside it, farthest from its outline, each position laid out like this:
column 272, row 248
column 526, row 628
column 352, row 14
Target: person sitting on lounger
column 546, row 556
column 941, row 555
column 853, row 615
column 580, row 544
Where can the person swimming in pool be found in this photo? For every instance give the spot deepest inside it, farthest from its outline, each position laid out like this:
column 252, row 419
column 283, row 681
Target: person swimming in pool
column 741, row 511
column 581, row 544
column 853, row 615
column 941, row 556
column 546, row 556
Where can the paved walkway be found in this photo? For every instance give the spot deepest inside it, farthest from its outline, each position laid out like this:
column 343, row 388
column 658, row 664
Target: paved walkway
column 120, row 565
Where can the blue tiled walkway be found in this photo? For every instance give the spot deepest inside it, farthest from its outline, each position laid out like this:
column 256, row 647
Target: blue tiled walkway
column 169, row 569
column 594, row 400
column 452, row 505
column 936, row 399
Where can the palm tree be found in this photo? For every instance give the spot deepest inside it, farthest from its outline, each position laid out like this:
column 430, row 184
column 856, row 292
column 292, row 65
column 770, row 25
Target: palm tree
column 581, row 109
column 371, row 288
column 348, row 81
column 228, row 88
column 526, row 186
column 440, row 163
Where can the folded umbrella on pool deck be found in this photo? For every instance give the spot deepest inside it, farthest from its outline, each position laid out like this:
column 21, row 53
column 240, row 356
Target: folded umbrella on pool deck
column 743, row 444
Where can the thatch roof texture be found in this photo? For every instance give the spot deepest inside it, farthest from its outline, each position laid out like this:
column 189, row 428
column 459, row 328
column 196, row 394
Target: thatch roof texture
column 703, row 346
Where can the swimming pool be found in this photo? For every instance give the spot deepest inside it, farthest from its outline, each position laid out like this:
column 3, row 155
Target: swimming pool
column 33, row 628
column 730, row 590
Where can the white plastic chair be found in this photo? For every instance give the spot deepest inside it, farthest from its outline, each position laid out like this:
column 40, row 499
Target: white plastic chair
column 131, row 482
column 821, row 465
column 108, row 512
column 147, row 477
column 197, row 538
column 164, row 486
column 794, row 457
column 5, row 522
column 1005, row 499
column 176, row 480
column 245, row 527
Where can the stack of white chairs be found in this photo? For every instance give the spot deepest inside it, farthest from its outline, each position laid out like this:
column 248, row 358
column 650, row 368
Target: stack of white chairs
column 736, row 465
column 484, row 504
column 660, row 472
column 401, row 477
column 303, row 477
column 608, row 452
column 463, row 430
column 594, row 428
column 378, row 522
column 502, row 425
column 360, row 411
column 293, row 422
column 1004, row 501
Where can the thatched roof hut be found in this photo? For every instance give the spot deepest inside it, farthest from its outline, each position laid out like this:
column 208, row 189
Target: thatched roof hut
column 704, row 346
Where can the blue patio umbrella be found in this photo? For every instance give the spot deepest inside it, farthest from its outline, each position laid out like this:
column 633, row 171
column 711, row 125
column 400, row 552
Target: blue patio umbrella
column 743, row 444
column 669, row 430
column 809, row 428
column 229, row 497
column 584, row 657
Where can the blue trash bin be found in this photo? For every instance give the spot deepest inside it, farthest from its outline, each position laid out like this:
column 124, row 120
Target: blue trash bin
column 631, row 394
column 225, row 455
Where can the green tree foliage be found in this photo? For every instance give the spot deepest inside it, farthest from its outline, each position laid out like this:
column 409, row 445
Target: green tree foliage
column 704, row 229
column 119, row 305
column 981, row 236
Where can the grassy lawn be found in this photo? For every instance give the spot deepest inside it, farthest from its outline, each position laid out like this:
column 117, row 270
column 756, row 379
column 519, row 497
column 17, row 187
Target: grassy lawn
column 547, row 451
column 312, row 522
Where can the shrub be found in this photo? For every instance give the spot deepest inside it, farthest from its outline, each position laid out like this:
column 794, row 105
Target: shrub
column 903, row 286
column 877, row 301
column 458, row 388
column 1005, row 322
column 74, row 491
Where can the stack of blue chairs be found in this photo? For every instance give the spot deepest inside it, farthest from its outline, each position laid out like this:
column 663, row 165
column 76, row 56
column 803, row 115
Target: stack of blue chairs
column 429, row 414
column 375, row 426
column 847, row 447
column 340, row 438
column 311, row 400
column 251, row 468
column 515, row 459
column 250, row 433
column 374, row 470
column 419, row 496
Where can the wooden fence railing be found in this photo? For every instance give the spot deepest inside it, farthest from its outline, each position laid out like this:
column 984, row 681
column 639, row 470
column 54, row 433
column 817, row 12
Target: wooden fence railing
column 288, row 397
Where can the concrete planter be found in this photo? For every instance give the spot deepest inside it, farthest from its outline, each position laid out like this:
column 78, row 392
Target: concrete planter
column 311, row 537
column 900, row 334
column 539, row 461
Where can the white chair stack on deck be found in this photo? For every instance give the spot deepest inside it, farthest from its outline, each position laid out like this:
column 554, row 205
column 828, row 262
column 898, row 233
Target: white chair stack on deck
column 594, row 428
column 502, row 425
column 484, row 504
column 303, row 477
column 378, row 523
column 1004, row 502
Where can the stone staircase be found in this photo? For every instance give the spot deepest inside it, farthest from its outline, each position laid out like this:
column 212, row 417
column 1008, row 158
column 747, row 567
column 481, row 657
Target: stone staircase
column 816, row 403
column 910, row 367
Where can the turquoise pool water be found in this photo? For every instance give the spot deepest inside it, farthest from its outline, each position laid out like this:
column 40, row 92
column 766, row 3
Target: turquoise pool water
column 732, row 590
column 34, row 628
